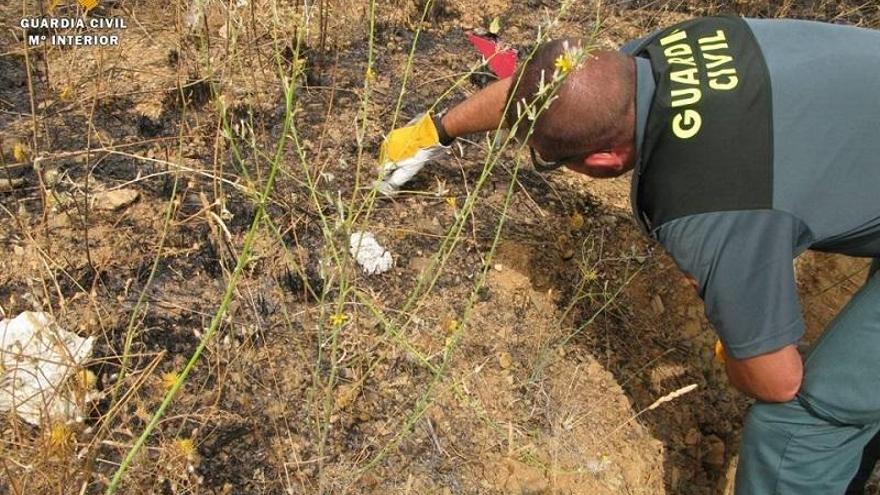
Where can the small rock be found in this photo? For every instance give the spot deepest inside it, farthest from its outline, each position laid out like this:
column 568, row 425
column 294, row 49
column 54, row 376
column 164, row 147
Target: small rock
column 505, row 360
column 692, row 328
column 418, row 264
column 608, row 219
column 576, row 222
column 60, row 220
column 657, row 305
column 498, row 267
column 692, row 437
column 541, row 280
column 715, row 449
column 10, row 184
column 345, row 395
column 566, row 247
column 115, row 200
column 435, row 227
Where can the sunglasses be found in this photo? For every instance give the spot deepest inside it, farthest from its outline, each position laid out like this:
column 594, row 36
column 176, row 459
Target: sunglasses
column 542, row 165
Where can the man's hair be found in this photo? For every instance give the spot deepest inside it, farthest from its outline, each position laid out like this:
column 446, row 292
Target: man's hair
column 592, row 103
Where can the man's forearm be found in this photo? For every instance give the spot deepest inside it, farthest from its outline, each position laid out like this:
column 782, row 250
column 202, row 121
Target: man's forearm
column 483, row 111
column 772, row 377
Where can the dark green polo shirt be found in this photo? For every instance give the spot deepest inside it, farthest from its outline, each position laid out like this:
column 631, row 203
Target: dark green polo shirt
column 825, row 91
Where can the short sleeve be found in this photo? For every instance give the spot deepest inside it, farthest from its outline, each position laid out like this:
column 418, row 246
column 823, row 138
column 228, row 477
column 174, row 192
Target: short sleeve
column 630, row 47
column 743, row 262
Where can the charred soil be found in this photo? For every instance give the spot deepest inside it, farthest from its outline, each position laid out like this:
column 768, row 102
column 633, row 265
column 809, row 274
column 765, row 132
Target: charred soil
column 515, row 346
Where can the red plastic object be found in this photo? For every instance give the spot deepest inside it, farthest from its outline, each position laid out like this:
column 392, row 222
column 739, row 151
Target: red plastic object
column 501, row 61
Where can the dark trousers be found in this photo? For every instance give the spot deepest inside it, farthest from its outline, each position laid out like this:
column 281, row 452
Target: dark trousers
column 825, row 441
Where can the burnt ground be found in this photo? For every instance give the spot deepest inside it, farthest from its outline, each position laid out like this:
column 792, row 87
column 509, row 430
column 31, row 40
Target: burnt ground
column 514, row 347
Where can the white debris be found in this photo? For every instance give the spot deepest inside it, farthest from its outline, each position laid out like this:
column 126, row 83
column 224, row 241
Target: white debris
column 372, row 257
column 36, row 357
column 596, row 466
column 195, row 16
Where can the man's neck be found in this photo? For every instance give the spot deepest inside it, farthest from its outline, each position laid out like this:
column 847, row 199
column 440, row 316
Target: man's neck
column 644, row 95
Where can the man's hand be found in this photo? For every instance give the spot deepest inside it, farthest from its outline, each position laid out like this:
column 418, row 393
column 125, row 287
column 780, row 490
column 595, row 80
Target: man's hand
column 772, row 377
column 407, row 149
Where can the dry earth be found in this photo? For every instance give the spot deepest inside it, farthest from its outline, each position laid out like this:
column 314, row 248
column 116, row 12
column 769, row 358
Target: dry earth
column 127, row 210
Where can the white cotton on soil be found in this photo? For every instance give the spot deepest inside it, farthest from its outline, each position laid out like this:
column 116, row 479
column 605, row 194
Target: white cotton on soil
column 371, row 257
column 36, row 357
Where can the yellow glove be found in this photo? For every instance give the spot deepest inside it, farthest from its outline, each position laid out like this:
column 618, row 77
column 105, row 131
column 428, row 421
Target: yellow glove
column 406, row 150
column 405, row 142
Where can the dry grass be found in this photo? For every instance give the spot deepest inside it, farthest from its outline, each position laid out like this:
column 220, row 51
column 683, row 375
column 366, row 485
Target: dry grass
column 238, row 343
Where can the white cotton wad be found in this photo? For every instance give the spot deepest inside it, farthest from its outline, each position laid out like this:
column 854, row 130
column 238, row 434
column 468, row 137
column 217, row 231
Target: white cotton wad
column 36, row 357
column 372, row 257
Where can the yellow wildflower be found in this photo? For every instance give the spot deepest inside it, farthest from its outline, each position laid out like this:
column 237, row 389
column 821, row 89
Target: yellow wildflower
column 169, row 379
column 565, row 62
column 338, row 319
column 60, row 438
column 66, row 93
column 185, row 447
column 86, row 379
column 590, row 274
column 451, row 325
column 20, row 151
